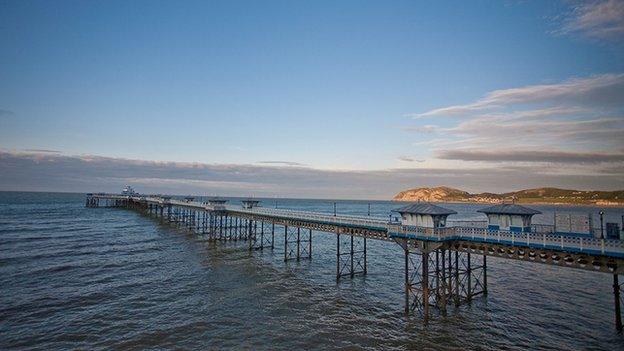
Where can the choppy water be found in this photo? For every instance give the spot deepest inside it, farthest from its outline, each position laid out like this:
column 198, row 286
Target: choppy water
column 79, row 278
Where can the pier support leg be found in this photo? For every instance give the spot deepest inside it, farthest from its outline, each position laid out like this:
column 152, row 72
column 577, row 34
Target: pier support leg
column 617, row 296
column 286, row 253
column 469, row 277
column 417, row 282
column 252, row 235
column 337, row 255
column 425, row 285
column 484, row 275
column 456, row 279
column 407, row 279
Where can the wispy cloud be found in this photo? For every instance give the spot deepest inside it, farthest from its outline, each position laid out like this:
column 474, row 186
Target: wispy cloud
column 602, row 131
column 409, row 159
column 283, row 163
column 43, row 151
column 4, row 112
column 573, row 123
column 427, row 129
column 606, row 89
column 530, row 156
column 54, row 172
column 598, row 19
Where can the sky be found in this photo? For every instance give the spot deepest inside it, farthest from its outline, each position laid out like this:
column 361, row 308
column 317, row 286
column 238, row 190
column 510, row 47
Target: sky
column 320, row 99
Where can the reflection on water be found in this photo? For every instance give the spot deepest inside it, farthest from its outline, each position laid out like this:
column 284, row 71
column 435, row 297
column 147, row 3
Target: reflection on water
column 74, row 277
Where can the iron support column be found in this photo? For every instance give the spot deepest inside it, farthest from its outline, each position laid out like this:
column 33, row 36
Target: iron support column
column 485, row 275
column 285, row 243
column 407, row 282
column 337, row 255
column 425, row 284
column 616, row 294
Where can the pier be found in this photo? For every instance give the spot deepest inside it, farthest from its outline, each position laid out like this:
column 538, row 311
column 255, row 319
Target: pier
column 443, row 265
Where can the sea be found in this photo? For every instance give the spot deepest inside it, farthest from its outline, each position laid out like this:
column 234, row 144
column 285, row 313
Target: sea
column 77, row 278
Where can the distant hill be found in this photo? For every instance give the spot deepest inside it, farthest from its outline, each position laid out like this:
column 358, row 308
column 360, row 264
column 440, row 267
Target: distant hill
column 528, row 196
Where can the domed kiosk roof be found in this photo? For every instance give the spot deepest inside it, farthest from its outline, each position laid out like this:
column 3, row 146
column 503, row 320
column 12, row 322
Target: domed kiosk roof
column 424, row 208
column 509, row 209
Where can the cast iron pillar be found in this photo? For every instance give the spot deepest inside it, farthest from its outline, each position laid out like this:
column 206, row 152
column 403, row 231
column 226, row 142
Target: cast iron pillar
column 617, row 295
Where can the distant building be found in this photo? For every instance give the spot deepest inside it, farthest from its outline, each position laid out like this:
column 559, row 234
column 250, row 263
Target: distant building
column 189, row 198
column 511, row 217
column 424, row 214
column 128, row 191
column 250, row 203
column 216, row 202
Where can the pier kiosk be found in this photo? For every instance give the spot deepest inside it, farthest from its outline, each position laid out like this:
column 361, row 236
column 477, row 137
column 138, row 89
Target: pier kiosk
column 424, row 214
column 216, row 202
column 248, row 204
column 509, row 217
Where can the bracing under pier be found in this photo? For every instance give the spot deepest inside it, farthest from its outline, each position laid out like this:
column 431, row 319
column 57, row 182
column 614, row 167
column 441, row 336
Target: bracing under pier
column 351, row 259
column 443, row 267
column 436, row 276
column 297, row 243
column 263, row 236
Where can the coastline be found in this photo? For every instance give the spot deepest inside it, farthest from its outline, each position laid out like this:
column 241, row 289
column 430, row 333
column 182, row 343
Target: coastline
column 561, row 204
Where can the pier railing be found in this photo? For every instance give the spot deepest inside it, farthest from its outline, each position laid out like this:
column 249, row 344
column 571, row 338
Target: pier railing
column 328, row 218
column 541, row 236
column 576, row 244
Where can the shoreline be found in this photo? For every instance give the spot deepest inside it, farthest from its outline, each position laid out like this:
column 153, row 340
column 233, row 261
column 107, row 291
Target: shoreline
column 561, row 204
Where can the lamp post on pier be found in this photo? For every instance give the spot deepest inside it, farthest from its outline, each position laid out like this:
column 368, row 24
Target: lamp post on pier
column 601, row 226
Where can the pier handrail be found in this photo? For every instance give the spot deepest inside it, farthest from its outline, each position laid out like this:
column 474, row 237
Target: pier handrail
column 316, row 216
column 546, row 239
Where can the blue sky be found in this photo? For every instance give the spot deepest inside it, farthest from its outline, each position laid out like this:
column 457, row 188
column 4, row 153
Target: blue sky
column 346, row 86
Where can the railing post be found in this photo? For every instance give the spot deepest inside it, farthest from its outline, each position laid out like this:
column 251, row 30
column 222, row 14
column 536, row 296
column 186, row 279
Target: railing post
column 581, row 244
